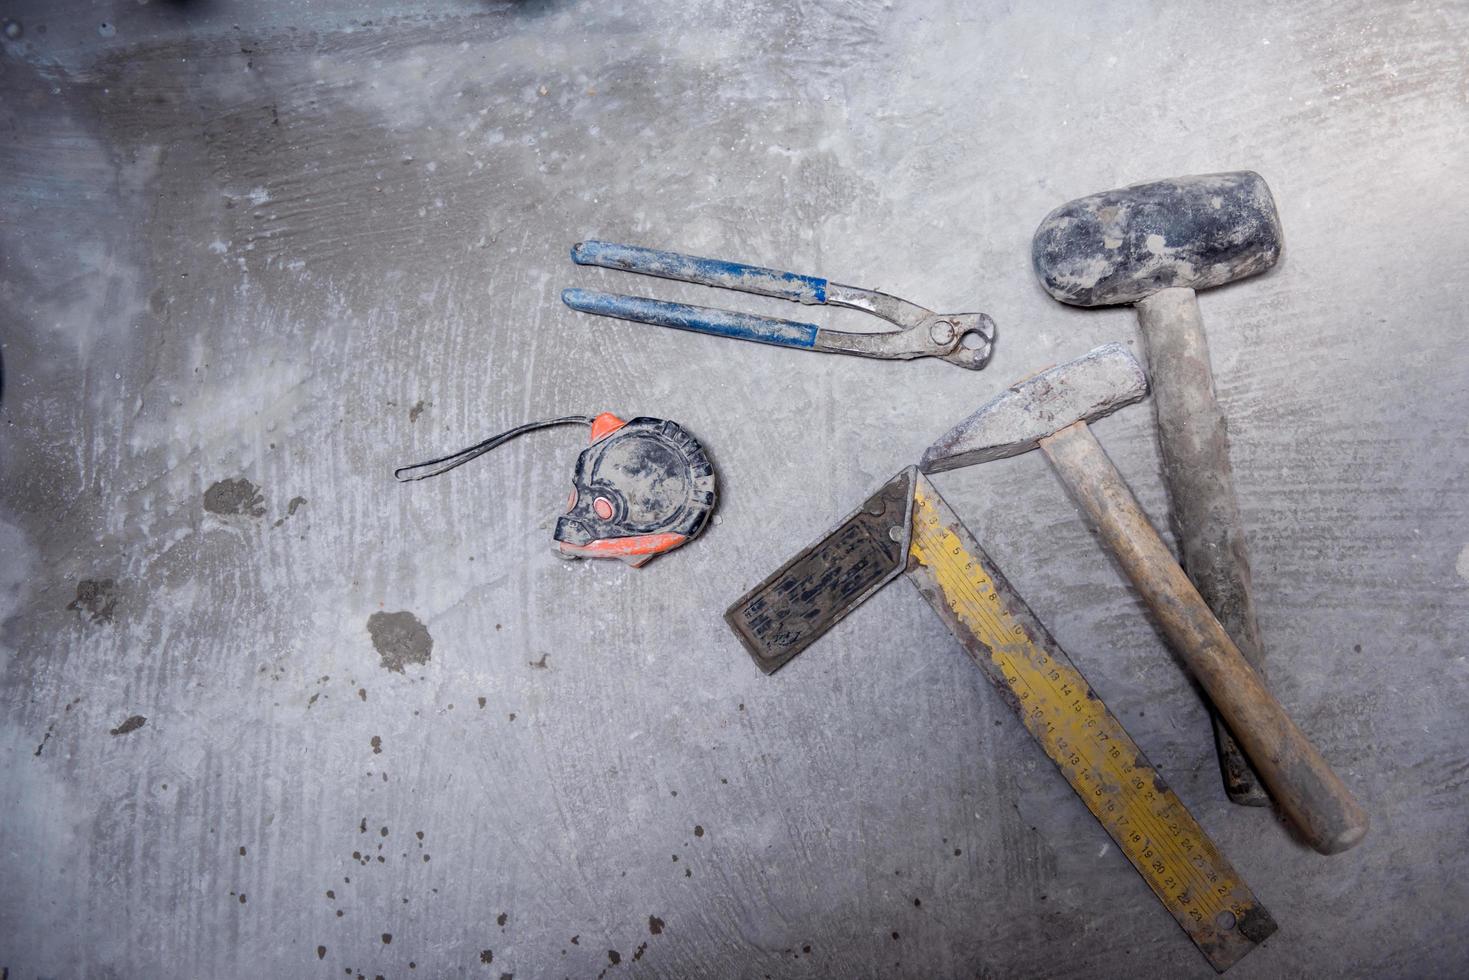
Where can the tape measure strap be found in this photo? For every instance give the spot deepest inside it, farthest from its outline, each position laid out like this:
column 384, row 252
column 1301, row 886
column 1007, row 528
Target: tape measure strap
column 1146, row 819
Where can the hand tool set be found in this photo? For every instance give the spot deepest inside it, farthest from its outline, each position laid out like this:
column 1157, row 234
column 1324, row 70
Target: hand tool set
column 645, row 486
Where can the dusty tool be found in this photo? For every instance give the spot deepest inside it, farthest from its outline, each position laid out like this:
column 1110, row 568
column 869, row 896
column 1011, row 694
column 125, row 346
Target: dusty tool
column 641, row 488
column 907, row 527
column 1051, row 410
column 965, row 339
column 1154, row 245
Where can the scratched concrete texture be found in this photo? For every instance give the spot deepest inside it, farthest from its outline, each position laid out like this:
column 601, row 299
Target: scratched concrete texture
column 267, row 713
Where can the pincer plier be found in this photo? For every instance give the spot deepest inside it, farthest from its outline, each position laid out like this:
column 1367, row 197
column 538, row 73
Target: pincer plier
column 965, row 339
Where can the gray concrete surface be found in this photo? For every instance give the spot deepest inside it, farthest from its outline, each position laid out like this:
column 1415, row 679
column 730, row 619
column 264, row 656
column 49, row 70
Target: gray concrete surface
column 296, row 244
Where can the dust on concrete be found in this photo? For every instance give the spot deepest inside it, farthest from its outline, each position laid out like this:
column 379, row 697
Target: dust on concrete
column 235, row 497
column 96, row 600
column 400, row 639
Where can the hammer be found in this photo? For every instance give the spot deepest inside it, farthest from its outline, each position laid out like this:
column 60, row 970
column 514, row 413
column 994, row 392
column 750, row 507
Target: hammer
column 1051, row 410
column 1154, row 245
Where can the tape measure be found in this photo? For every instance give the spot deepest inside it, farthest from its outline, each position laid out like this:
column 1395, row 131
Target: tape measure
column 640, row 488
column 1149, row 823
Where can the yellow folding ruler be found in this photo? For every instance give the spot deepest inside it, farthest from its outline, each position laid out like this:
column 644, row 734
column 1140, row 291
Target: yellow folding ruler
column 907, row 527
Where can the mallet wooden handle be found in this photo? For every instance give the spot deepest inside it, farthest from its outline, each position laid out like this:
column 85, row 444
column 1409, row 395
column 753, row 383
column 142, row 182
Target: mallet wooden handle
column 1299, row 779
column 1195, row 451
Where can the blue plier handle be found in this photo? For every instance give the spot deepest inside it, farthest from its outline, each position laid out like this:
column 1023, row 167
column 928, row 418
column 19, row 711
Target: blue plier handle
column 965, row 339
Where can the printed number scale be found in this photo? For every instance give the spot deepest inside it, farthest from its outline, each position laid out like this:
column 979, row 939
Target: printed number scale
column 908, row 527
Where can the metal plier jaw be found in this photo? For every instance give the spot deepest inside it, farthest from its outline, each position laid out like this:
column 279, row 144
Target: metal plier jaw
column 964, row 339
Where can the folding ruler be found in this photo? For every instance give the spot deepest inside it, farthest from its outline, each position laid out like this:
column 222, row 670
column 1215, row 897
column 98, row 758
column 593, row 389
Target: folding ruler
column 907, row 527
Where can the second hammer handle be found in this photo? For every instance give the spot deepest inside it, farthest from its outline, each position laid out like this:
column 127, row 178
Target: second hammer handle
column 1299, row 779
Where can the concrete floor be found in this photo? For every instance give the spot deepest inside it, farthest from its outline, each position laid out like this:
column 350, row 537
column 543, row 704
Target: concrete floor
column 253, row 256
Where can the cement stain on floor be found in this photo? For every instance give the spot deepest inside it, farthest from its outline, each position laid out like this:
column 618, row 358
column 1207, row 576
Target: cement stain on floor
column 235, row 497
column 96, row 600
column 291, row 508
column 400, row 639
column 133, row 723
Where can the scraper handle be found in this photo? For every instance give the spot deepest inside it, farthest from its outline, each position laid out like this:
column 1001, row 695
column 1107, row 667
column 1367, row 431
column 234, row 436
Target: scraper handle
column 700, row 319
column 704, row 272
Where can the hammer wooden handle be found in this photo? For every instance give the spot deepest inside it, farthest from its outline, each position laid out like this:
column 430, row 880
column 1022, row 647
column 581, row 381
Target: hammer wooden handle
column 1194, row 446
column 1299, row 779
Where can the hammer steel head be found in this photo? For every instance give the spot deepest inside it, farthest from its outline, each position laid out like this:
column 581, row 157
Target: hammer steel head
column 1015, row 421
column 1120, row 246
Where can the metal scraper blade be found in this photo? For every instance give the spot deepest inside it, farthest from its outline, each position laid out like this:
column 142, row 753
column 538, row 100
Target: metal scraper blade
column 810, row 594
